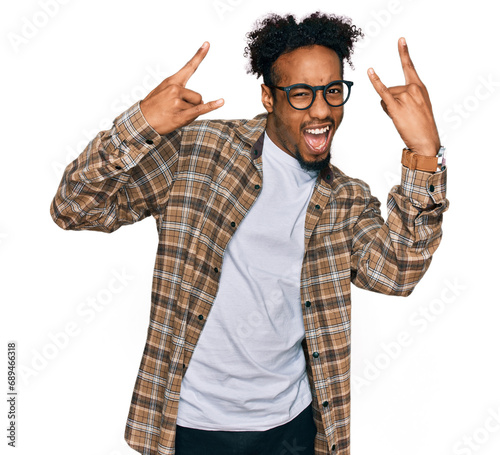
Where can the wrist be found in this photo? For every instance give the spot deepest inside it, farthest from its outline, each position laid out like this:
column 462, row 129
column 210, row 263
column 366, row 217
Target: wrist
column 431, row 162
column 426, row 150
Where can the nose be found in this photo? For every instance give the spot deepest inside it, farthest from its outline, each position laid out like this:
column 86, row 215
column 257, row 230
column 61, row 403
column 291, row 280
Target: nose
column 320, row 108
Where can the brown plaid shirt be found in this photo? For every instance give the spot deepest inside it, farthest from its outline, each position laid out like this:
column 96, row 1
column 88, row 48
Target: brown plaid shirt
column 199, row 182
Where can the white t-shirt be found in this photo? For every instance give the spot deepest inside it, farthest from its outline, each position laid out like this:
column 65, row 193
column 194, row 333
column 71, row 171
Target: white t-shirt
column 248, row 371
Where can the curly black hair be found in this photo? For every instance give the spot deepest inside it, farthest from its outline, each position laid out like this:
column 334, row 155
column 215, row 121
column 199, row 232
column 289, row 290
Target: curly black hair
column 275, row 35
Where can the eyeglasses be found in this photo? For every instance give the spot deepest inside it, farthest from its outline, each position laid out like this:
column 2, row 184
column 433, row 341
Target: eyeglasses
column 302, row 96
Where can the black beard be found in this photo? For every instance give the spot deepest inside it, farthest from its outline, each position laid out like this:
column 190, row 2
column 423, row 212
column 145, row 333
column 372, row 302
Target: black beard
column 312, row 165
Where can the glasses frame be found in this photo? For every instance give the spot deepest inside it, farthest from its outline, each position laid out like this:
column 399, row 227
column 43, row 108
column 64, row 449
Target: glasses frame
column 314, row 90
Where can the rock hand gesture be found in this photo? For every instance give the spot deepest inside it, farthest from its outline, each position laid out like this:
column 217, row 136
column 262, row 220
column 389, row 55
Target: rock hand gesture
column 171, row 105
column 409, row 107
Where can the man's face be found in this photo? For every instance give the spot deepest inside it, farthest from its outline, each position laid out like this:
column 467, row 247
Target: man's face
column 289, row 128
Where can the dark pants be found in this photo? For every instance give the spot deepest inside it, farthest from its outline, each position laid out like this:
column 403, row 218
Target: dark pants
column 293, row 438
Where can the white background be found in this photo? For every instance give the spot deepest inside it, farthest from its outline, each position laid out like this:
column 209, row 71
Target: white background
column 70, row 71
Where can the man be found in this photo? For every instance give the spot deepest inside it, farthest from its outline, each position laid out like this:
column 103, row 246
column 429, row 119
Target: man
column 260, row 236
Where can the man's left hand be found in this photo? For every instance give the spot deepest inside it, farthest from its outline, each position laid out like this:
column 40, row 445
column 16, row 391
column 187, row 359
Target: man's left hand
column 409, row 107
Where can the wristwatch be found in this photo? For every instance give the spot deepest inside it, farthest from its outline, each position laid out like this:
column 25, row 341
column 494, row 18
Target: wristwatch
column 412, row 160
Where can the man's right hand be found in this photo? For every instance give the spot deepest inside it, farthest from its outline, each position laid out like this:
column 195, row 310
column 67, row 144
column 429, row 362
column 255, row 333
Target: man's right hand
column 171, row 105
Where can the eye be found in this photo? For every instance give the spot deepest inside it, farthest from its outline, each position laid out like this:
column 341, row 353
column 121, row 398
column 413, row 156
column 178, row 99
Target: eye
column 334, row 90
column 300, row 92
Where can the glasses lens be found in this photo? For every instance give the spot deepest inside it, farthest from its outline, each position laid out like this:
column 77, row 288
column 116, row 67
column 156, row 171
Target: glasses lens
column 337, row 93
column 300, row 97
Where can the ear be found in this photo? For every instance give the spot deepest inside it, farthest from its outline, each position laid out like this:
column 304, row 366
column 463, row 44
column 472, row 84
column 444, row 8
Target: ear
column 267, row 98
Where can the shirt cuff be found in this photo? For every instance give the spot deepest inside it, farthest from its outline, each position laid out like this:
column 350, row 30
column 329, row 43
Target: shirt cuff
column 133, row 128
column 135, row 135
column 123, row 146
column 424, row 189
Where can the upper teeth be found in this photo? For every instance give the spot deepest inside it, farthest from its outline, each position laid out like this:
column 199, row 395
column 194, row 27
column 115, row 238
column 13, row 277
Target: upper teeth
column 318, row 130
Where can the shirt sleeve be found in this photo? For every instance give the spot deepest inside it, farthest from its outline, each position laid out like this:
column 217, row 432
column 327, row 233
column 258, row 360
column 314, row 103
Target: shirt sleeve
column 392, row 257
column 123, row 175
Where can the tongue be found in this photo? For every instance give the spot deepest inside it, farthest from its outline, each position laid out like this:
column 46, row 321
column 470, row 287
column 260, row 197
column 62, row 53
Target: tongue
column 314, row 140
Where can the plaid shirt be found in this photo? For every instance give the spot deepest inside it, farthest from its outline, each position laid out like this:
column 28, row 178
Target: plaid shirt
column 199, row 182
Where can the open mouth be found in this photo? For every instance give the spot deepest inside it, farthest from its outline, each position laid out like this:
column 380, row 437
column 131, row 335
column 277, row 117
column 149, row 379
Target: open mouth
column 317, row 139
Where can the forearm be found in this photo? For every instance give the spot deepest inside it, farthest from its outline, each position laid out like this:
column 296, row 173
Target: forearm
column 98, row 190
column 392, row 257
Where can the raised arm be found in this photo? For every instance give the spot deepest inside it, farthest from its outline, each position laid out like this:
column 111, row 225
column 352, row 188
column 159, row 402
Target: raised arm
column 392, row 257
column 125, row 173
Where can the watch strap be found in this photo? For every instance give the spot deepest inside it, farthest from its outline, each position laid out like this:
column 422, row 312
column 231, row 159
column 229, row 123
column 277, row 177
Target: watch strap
column 412, row 160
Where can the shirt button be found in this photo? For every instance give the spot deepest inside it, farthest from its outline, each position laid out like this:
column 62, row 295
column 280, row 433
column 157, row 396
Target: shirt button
column 308, row 304
column 317, row 206
column 118, row 167
column 431, row 188
column 325, row 404
column 257, row 187
column 149, row 141
column 233, row 224
column 315, row 355
column 200, row 317
column 216, row 270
